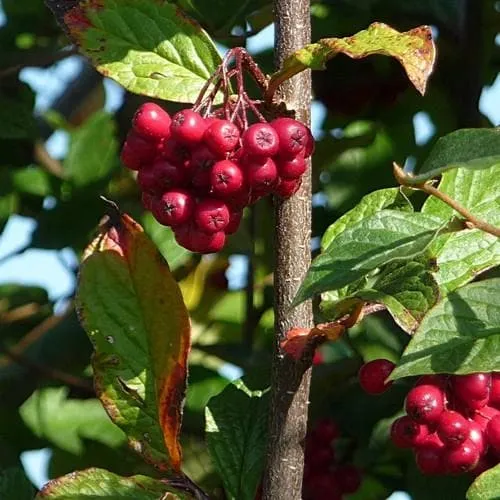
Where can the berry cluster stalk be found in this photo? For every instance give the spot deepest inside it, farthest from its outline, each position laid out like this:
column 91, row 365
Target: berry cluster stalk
column 290, row 379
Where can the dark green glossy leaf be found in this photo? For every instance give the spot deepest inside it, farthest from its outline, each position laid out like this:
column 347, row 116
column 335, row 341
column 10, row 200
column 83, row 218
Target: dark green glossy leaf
column 461, row 334
column 236, row 427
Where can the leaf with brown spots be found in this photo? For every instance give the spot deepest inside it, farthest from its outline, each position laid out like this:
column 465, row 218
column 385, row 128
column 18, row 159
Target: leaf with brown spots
column 134, row 314
column 149, row 47
column 414, row 49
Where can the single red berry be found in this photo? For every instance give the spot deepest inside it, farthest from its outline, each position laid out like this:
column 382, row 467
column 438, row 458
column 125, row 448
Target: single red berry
column 194, row 239
column 476, row 435
column 291, row 168
column 348, row 478
column 188, row 127
column 325, row 431
column 173, row 208
column 260, row 139
column 406, row 433
column 493, row 433
column 293, row 136
column 234, row 221
column 452, row 428
column 211, row 215
column 147, row 201
column 138, row 151
column 261, row 176
column 160, row 177
column 152, row 121
column 321, row 486
column 462, row 458
column 222, row 136
column 319, row 456
column 226, row 178
column 175, row 151
column 200, row 165
column 287, row 187
column 372, row 376
column 425, row 403
column 484, row 415
column 309, row 149
column 495, row 391
column 472, row 389
column 429, row 456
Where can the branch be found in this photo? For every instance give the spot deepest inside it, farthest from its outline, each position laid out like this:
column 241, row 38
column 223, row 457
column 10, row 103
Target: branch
column 290, row 379
column 427, row 187
column 50, row 164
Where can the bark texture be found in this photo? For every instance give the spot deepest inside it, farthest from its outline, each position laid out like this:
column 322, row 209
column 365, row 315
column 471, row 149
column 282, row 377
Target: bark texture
column 290, row 379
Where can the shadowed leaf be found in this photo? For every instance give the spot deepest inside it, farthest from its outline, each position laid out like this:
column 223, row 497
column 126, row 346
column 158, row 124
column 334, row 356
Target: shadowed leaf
column 133, row 312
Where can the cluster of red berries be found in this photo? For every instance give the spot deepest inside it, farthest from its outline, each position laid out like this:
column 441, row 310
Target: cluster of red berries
column 452, row 422
column 324, row 475
column 197, row 174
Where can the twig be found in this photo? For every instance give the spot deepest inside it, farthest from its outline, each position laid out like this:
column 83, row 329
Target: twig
column 428, row 188
column 50, row 164
column 20, row 313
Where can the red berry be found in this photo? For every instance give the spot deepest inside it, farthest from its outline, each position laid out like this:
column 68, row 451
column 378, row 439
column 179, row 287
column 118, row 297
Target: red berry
column 291, row 168
column 173, row 208
column 201, row 163
column 429, row 457
column 425, row 403
column 147, row 201
column 406, row 433
column 160, row 177
column 175, row 151
column 152, row 122
column 222, row 136
column 322, row 486
column 476, row 435
column 462, row 458
column 234, row 221
column 493, row 433
column 372, row 376
column 452, row 428
column 188, row 127
column 226, row 178
column 484, row 415
column 137, row 151
column 194, row 239
column 437, row 380
column 287, row 187
column 260, row 139
column 472, row 389
column 348, row 478
column 261, row 176
column 495, row 391
column 318, row 358
column 325, row 431
column 319, row 456
column 293, row 136
column 211, row 215
column 309, row 149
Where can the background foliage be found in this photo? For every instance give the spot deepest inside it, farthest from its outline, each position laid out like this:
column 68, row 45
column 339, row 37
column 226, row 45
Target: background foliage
column 45, row 379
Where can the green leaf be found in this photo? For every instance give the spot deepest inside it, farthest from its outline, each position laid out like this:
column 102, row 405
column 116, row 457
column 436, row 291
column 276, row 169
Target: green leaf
column 93, row 150
column 369, row 205
column 461, row 334
column 384, row 237
column 236, row 427
column 407, row 289
column 97, row 484
column 16, row 113
column 413, row 49
column 15, row 484
column 67, row 422
column 150, row 48
column 31, row 180
column 462, row 255
column 133, row 312
column 486, row 486
column 163, row 237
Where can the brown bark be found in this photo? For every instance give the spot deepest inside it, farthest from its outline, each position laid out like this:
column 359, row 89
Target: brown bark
column 290, row 379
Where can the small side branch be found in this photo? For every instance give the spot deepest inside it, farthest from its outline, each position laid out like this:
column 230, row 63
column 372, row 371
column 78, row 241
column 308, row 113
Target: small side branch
column 427, row 187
